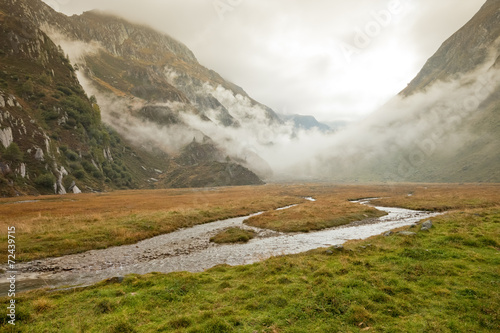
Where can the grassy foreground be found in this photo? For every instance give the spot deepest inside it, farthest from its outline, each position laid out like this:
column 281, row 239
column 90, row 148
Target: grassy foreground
column 443, row 280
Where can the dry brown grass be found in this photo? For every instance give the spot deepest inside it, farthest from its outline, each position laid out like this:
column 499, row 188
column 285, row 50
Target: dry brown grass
column 328, row 211
column 444, row 197
column 59, row 225
column 43, row 304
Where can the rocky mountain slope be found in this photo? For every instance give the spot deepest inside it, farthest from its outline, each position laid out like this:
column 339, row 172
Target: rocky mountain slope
column 52, row 137
column 463, row 52
column 126, row 61
column 472, row 57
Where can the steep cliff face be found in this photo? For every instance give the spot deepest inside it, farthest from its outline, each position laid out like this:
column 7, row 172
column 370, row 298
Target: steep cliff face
column 51, row 136
column 463, row 52
column 120, row 37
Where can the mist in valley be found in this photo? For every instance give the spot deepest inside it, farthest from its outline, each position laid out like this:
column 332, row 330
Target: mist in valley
column 398, row 138
column 389, row 144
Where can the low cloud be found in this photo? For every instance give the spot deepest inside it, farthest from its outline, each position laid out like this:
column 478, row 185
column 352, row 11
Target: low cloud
column 76, row 50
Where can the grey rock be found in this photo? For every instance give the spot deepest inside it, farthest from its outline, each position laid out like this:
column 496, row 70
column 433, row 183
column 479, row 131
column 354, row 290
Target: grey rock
column 426, row 226
column 407, row 233
column 6, row 137
column 22, row 170
column 39, row 156
column 388, row 233
column 4, row 169
column 334, row 248
column 11, row 101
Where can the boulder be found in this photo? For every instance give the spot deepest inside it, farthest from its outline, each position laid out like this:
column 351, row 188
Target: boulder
column 39, row 156
column 426, row 226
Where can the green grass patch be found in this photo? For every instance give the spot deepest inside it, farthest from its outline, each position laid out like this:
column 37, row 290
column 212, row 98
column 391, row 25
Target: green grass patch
column 233, row 235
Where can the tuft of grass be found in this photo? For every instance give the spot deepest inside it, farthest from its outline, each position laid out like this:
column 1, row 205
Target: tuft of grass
column 43, row 304
column 233, row 235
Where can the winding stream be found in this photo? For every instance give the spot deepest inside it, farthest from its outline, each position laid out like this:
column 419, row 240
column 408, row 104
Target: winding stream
column 190, row 250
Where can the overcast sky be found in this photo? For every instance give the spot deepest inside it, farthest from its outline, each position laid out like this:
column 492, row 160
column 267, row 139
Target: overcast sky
column 334, row 59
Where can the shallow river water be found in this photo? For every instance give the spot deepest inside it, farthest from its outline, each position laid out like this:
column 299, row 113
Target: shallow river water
column 190, row 250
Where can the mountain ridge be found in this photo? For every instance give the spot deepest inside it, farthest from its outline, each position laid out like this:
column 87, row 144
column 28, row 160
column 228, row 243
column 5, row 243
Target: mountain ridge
column 463, row 51
column 128, row 164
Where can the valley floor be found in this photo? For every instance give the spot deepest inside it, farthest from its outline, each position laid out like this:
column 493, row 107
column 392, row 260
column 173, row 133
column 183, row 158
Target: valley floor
column 441, row 280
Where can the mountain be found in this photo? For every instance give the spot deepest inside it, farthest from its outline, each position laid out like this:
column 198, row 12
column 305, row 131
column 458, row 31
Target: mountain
column 148, row 88
column 472, row 54
column 305, row 122
column 463, row 52
column 51, row 135
column 444, row 127
column 94, row 102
